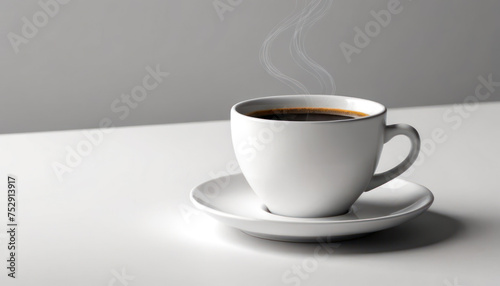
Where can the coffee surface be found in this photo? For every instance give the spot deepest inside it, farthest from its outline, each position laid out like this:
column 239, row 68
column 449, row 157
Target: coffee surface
column 307, row 114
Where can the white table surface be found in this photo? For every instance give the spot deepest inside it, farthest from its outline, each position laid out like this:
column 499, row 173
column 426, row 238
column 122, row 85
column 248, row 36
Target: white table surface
column 126, row 208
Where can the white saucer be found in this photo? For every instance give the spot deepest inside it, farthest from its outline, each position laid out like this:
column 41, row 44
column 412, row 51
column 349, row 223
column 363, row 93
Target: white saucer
column 230, row 200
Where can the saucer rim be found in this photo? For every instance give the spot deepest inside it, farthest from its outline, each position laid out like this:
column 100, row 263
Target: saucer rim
column 294, row 220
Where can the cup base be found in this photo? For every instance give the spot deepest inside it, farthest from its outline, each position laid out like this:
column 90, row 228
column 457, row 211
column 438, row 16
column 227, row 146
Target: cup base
column 266, row 209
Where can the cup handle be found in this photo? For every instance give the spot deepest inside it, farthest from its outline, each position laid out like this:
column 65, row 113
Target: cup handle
column 389, row 133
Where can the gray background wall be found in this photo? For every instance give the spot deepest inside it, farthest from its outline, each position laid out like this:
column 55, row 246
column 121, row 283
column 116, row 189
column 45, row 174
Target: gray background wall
column 87, row 54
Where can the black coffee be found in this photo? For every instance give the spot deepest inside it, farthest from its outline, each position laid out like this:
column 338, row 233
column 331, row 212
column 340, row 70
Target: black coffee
column 307, row 114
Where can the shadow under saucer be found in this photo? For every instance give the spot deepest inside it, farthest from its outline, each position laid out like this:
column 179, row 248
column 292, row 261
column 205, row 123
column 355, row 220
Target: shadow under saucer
column 427, row 229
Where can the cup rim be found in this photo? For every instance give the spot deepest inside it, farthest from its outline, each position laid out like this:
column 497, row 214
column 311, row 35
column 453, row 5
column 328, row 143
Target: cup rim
column 383, row 111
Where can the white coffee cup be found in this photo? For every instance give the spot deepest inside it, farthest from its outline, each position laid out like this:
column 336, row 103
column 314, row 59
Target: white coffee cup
column 314, row 168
